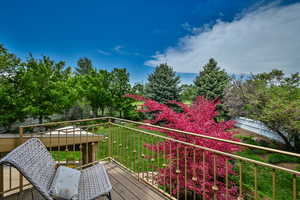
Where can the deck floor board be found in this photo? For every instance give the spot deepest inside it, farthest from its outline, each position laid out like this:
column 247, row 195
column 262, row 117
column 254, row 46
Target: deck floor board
column 125, row 187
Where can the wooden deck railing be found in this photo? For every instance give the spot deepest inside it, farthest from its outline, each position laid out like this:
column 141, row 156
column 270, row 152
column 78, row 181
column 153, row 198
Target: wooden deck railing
column 164, row 163
column 253, row 179
column 73, row 143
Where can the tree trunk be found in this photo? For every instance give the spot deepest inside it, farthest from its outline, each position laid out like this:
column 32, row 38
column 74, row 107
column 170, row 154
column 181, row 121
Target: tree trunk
column 102, row 110
column 286, row 141
column 65, row 115
column 40, row 119
column 297, row 143
column 110, row 111
column 120, row 114
column 95, row 113
column 7, row 128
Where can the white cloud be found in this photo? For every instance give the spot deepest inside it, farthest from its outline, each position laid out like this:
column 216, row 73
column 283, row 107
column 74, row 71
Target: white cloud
column 118, row 48
column 105, row 53
column 257, row 41
column 186, row 26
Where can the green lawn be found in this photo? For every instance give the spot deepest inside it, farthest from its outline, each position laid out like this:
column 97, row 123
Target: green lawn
column 264, row 179
column 264, row 174
column 128, row 149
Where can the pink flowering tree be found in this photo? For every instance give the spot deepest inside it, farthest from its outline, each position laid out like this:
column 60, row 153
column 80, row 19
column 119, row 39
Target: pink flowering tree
column 196, row 169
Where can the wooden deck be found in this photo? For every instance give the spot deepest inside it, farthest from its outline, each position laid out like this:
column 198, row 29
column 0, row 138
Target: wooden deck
column 125, row 187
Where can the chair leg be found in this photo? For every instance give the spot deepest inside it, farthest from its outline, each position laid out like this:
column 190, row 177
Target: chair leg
column 32, row 194
column 20, row 194
column 109, row 196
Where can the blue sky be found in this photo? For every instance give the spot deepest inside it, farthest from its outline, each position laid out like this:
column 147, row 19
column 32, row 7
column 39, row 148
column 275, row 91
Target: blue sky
column 140, row 34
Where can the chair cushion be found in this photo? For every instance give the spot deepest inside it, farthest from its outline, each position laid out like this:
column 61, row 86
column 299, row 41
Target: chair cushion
column 65, row 184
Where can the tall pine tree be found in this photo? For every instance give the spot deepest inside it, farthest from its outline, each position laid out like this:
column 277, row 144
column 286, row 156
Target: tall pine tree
column 211, row 81
column 163, row 85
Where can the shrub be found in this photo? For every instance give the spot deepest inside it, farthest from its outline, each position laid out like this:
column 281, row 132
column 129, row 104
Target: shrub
column 197, row 118
column 250, row 140
column 280, row 158
column 250, row 154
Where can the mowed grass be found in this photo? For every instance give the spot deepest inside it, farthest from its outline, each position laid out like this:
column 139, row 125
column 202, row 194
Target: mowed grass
column 264, row 177
column 128, row 148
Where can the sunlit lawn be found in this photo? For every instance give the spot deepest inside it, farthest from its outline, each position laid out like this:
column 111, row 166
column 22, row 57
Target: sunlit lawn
column 128, row 148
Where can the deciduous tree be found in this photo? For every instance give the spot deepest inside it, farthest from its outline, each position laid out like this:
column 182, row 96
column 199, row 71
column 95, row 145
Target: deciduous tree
column 47, row 87
column 138, row 88
column 119, row 87
column 272, row 98
column 85, row 66
column 95, row 88
column 197, row 118
column 277, row 105
column 11, row 99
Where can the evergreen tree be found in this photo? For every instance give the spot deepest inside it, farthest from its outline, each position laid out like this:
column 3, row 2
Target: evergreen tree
column 163, row 85
column 85, row 66
column 211, row 81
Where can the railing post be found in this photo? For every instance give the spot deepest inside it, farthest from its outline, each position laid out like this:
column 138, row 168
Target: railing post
column 21, row 134
column 109, row 146
column 109, row 140
column 1, row 179
column 92, row 151
column 84, row 154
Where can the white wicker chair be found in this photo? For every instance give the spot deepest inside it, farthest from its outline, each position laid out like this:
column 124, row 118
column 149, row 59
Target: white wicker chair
column 35, row 163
